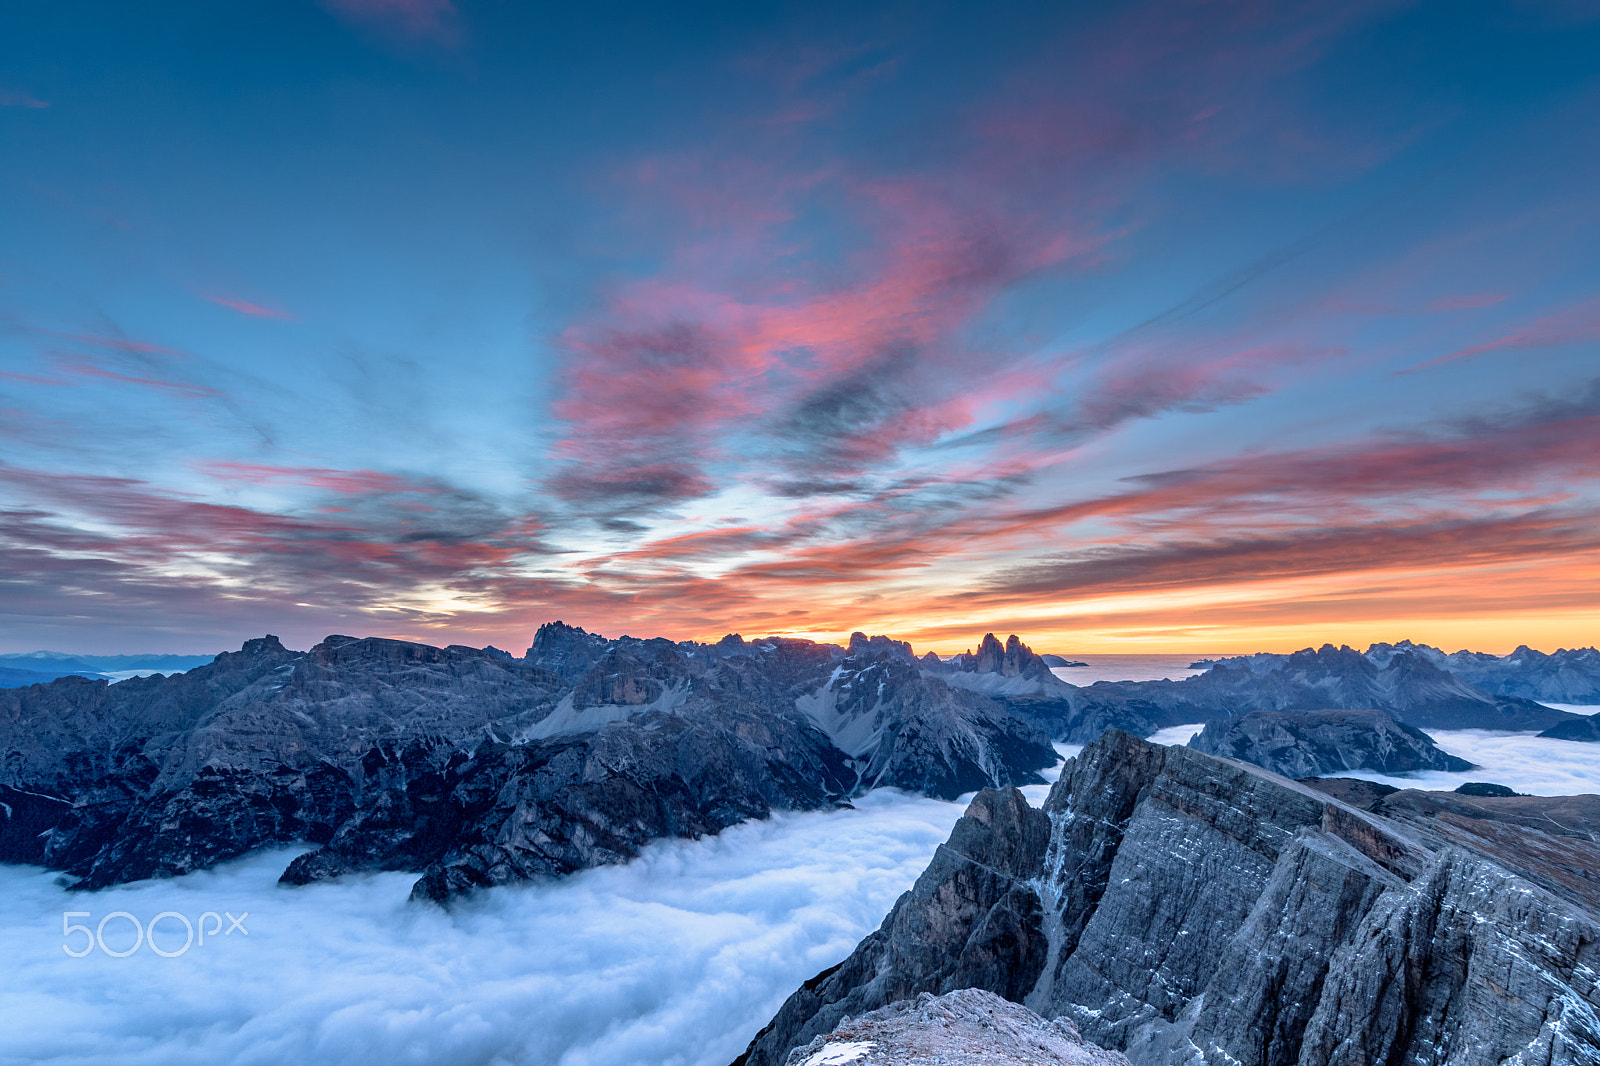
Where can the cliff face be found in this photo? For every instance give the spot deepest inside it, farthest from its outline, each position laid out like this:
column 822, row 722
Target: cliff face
column 1183, row 908
column 471, row 767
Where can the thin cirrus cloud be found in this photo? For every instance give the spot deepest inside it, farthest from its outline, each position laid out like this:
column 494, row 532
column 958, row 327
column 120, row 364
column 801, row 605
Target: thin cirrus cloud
column 844, row 365
column 245, row 307
column 432, row 21
column 1578, row 324
column 82, row 368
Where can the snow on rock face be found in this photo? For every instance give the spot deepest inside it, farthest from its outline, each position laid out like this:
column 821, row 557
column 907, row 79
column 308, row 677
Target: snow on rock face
column 839, row 1054
column 915, row 732
column 968, row 1027
column 567, row 719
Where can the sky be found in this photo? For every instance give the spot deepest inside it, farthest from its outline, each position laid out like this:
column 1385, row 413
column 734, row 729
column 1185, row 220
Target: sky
column 1212, row 326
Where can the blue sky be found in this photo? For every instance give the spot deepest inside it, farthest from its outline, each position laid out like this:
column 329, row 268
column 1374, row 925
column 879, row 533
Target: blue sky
column 1213, row 326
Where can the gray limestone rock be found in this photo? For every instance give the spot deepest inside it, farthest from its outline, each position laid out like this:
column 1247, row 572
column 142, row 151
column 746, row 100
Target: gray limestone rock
column 968, row 1027
column 472, row 767
column 1569, row 675
column 1190, row 909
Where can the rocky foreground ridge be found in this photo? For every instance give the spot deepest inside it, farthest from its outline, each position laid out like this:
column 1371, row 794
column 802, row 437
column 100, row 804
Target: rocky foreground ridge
column 1183, row 908
column 968, row 1027
column 472, row 767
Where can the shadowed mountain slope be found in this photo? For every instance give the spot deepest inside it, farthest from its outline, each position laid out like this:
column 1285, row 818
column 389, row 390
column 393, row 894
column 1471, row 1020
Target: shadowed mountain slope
column 470, row 766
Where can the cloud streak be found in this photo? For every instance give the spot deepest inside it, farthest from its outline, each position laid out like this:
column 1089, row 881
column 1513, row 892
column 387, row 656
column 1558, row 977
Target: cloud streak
column 245, row 307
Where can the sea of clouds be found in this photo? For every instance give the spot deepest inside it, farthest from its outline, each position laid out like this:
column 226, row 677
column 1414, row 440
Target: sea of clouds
column 676, row 958
column 1527, row 763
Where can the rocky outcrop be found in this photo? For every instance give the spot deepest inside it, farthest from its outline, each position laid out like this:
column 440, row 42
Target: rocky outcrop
column 566, row 651
column 472, row 767
column 1314, row 743
column 968, row 1027
column 1586, row 729
column 915, row 732
column 1054, row 661
column 1183, row 908
column 995, row 669
column 863, row 646
column 971, row 920
column 1352, row 790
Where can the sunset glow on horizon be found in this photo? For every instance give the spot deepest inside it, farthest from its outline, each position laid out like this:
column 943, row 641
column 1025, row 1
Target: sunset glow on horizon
column 1164, row 326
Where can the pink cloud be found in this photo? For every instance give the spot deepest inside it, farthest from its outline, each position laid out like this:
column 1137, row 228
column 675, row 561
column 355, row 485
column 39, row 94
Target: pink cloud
column 1465, row 301
column 435, row 21
column 1578, row 324
column 89, row 370
column 117, row 344
column 27, row 100
column 246, row 308
column 355, row 482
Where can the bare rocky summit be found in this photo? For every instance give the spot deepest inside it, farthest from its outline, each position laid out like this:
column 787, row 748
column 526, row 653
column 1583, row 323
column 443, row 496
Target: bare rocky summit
column 1182, row 908
column 968, row 1027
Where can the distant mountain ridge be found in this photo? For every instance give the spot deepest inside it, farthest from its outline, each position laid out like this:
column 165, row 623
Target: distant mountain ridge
column 1407, row 687
column 472, row 767
column 35, row 667
column 1564, row 676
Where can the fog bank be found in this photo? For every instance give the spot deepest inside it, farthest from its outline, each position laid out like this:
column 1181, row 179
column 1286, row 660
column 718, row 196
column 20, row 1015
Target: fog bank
column 676, row 958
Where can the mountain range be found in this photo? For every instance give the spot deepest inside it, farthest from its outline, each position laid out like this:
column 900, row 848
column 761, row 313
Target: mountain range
column 1565, row 676
column 35, row 667
column 1407, row 685
column 472, row 767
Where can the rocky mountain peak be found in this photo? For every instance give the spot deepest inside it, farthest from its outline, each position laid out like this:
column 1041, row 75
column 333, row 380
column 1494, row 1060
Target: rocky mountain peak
column 862, row 646
column 1011, row 659
column 732, row 644
column 267, row 645
column 566, row 651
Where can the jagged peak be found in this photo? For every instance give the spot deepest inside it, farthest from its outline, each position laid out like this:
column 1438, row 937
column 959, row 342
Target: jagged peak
column 861, row 644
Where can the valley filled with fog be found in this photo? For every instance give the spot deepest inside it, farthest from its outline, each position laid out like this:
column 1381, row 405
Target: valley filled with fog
column 678, row 957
